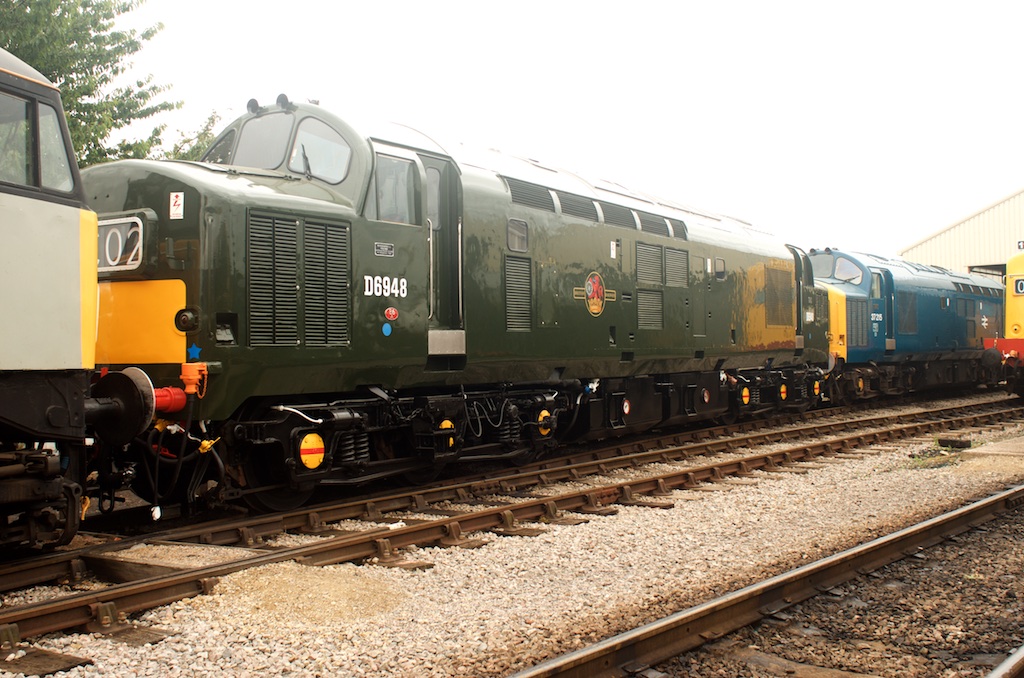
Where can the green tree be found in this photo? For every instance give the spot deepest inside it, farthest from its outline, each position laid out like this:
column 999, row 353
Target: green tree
column 75, row 45
column 192, row 146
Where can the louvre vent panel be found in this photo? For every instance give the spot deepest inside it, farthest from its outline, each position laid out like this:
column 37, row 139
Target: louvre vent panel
column 273, row 275
column 778, row 297
column 678, row 229
column 649, row 267
column 857, row 322
column 577, row 206
column 677, row 268
column 650, row 310
column 617, row 215
column 531, row 195
column 906, row 305
column 325, row 284
column 651, row 223
column 518, row 295
column 287, row 293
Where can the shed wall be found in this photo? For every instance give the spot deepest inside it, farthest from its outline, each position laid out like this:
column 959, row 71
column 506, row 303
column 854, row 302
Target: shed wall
column 987, row 238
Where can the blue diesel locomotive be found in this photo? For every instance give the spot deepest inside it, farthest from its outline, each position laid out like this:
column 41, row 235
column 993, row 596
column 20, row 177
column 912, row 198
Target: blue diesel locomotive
column 897, row 326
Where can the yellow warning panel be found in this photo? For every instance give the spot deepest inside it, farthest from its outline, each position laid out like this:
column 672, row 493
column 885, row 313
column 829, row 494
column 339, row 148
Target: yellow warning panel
column 136, row 322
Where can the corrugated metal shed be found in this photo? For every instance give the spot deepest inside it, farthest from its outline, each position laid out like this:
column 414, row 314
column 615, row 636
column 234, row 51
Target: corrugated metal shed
column 981, row 243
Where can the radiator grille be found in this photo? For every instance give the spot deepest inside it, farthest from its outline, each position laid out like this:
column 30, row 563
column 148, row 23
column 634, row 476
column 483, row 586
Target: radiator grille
column 649, row 310
column 273, row 275
column 778, row 297
column 325, row 284
column 649, row 266
column 518, row 295
column 287, row 293
column 857, row 322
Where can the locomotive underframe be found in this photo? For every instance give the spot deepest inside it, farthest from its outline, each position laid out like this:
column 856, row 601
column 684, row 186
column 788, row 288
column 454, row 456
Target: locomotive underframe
column 378, row 434
column 861, row 381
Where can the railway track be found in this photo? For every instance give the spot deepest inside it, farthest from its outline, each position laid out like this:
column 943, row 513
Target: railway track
column 645, row 651
column 106, row 609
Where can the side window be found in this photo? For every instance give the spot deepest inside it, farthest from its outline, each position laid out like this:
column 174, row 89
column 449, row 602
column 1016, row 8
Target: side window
column 518, row 235
column 16, row 166
column 719, row 269
column 876, row 286
column 395, row 184
column 319, row 151
column 434, row 197
column 54, row 163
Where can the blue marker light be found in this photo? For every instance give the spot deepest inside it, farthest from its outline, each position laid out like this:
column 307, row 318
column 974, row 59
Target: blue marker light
column 386, row 329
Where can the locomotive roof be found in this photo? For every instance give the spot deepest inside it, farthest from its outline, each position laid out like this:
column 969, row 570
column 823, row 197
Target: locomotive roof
column 920, row 275
column 701, row 225
column 15, row 66
column 688, row 223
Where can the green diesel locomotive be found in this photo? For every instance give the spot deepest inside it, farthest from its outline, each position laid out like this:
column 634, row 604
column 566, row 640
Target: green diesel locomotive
column 347, row 307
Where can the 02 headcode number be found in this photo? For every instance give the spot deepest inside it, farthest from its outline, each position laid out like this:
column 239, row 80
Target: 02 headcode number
column 383, row 286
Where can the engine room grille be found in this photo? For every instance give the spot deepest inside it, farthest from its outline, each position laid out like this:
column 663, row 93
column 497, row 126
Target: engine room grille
column 649, row 265
column 618, row 215
column 288, row 294
column 518, row 295
column 678, row 229
column 778, row 297
column 531, row 195
column 653, row 224
column 857, row 322
column 650, row 314
column 577, row 206
column 677, row 268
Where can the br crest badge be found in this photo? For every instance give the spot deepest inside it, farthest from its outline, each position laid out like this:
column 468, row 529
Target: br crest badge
column 594, row 293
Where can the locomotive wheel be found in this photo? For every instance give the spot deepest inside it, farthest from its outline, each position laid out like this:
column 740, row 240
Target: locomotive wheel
column 72, row 517
column 265, row 468
column 422, row 476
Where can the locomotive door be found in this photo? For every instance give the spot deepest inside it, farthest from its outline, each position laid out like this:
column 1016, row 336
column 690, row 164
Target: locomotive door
column 804, row 280
column 699, row 291
column 883, row 310
column 445, row 335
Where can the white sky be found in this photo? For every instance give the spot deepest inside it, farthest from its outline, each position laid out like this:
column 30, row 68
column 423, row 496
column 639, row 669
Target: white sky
column 864, row 125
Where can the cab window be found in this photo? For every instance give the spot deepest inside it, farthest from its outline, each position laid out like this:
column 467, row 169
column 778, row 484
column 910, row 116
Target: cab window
column 394, row 188
column 263, row 141
column 54, row 165
column 18, row 160
column 319, row 151
column 848, row 271
column 220, row 152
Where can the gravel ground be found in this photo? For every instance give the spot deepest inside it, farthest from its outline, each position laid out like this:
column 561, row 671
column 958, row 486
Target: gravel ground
column 519, row 600
column 955, row 614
